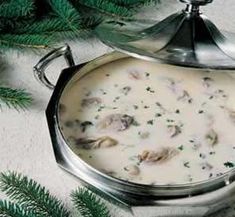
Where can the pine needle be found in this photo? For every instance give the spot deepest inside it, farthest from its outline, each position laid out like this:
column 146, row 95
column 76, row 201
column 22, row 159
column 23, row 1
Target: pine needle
column 27, row 193
column 24, row 41
column 68, row 14
column 8, row 209
column 14, row 98
column 107, row 8
column 88, row 204
column 16, row 8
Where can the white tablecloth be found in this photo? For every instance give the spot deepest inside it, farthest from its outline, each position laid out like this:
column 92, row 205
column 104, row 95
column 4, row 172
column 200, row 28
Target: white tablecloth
column 25, row 144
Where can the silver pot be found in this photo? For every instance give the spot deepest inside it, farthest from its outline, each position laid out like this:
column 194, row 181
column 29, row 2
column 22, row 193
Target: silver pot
column 197, row 199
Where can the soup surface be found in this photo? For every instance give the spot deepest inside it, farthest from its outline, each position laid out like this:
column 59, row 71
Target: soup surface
column 150, row 123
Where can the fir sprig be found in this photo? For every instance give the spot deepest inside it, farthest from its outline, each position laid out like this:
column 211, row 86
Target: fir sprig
column 27, row 193
column 68, row 14
column 25, row 41
column 40, row 24
column 9, row 209
column 16, row 8
column 33, row 200
column 14, row 98
column 88, row 204
column 19, row 19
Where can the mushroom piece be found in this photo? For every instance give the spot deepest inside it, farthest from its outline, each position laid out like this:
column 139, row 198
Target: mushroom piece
column 161, row 156
column 211, row 138
column 102, row 142
column 132, row 170
column 115, row 122
column 88, row 102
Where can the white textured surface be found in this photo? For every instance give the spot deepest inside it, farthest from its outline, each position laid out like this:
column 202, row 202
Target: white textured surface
column 25, row 144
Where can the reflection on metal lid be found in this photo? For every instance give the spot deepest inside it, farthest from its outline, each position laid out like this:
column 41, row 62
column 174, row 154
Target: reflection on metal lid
column 186, row 38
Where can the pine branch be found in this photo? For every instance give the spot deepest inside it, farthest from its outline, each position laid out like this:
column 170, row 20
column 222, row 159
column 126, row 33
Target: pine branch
column 8, row 209
column 106, row 8
column 44, row 26
column 134, row 3
column 52, row 26
column 70, row 19
column 33, row 41
column 67, row 13
column 16, row 8
column 14, row 98
column 88, row 204
column 27, row 193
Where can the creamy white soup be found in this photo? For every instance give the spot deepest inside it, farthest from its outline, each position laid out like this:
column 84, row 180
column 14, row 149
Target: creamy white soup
column 150, row 123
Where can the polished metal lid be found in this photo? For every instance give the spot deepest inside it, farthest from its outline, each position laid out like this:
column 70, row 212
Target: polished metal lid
column 186, row 38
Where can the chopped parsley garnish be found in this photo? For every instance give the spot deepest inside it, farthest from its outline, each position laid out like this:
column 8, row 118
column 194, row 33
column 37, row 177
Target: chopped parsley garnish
column 147, row 74
column 229, row 164
column 150, row 122
column 186, row 164
column 203, row 156
column 158, row 115
column 149, row 89
column 116, row 98
column 135, row 123
column 177, row 111
column 100, row 108
column 135, row 107
column 181, row 148
column 97, row 117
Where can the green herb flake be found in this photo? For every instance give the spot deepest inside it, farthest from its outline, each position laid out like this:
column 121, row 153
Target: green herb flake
column 135, row 123
column 181, row 148
column 147, row 74
column 229, row 164
column 177, row 111
column 150, row 122
column 97, row 117
column 149, row 89
column 186, row 164
column 135, row 107
column 100, row 108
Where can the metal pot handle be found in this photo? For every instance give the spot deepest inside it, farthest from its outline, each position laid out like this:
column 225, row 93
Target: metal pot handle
column 40, row 67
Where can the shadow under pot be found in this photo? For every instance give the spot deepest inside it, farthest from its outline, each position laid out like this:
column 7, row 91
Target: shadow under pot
column 146, row 135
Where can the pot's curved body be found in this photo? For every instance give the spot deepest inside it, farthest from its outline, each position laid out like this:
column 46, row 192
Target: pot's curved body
column 198, row 199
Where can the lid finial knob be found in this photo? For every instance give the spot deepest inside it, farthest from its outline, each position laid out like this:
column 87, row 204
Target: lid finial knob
column 193, row 5
column 197, row 2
